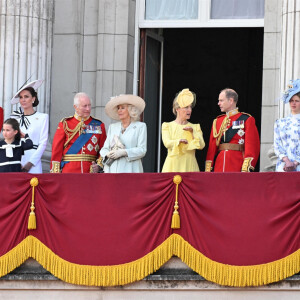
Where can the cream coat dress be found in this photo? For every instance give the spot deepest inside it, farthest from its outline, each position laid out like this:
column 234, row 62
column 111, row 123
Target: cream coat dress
column 135, row 141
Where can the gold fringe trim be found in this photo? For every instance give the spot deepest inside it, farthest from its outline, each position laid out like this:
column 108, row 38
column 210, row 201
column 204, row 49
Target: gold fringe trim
column 229, row 275
column 238, row 276
column 85, row 274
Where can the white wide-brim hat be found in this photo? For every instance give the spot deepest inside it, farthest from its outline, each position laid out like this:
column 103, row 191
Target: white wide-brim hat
column 34, row 84
column 111, row 108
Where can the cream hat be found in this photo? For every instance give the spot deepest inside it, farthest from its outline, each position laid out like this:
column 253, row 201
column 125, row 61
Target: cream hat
column 111, row 106
column 34, row 84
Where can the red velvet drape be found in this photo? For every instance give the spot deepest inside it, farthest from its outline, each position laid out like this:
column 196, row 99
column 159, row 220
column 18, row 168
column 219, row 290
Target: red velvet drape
column 110, row 219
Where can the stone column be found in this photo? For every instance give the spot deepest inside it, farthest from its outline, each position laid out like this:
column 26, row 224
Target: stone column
column 25, row 48
column 290, row 45
column 93, row 51
column 271, row 79
column 115, row 52
column 25, row 52
column 289, row 61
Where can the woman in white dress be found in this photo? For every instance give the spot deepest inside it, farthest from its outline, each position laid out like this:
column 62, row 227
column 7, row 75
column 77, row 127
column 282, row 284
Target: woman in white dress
column 287, row 132
column 32, row 122
column 126, row 142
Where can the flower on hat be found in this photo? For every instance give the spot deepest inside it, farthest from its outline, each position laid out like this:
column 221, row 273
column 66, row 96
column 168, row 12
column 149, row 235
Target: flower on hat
column 293, row 88
column 185, row 98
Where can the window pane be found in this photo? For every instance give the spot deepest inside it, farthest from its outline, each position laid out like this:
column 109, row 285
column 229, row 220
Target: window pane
column 237, row 9
column 171, row 9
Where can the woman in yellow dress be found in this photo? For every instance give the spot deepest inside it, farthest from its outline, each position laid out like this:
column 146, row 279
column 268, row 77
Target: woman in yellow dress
column 181, row 137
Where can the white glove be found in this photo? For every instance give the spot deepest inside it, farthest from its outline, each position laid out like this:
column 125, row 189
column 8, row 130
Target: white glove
column 115, row 154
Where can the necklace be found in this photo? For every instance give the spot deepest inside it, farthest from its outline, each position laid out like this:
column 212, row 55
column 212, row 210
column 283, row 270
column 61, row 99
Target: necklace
column 123, row 128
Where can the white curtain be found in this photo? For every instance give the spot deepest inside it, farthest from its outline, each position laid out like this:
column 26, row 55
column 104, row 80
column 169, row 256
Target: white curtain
column 237, row 9
column 171, row 9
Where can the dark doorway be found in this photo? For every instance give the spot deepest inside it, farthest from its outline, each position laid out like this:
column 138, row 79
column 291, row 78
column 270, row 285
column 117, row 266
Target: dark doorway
column 206, row 61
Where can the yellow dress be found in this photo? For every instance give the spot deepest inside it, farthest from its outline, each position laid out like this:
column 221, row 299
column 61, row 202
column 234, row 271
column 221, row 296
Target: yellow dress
column 181, row 157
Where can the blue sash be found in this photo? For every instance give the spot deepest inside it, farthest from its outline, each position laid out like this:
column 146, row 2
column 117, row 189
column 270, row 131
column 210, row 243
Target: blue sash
column 81, row 140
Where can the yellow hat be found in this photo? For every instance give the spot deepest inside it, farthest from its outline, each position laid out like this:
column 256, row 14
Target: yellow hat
column 185, row 98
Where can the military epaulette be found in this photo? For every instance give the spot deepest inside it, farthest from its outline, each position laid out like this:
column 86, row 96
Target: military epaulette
column 246, row 114
column 219, row 116
column 66, row 118
column 96, row 119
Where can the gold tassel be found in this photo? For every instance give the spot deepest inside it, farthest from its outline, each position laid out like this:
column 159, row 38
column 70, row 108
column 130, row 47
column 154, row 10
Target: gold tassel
column 176, row 218
column 32, row 218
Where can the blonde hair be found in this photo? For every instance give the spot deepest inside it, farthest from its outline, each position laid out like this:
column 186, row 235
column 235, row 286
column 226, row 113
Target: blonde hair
column 134, row 112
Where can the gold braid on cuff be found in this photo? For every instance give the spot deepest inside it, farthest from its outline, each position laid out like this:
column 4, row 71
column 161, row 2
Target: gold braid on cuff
column 55, row 167
column 99, row 162
column 246, row 167
column 208, row 167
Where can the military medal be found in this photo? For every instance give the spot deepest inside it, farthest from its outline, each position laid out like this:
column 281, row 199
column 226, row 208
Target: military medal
column 93, row 129
column 94, row 139
column 238, row 124
column 90, row 147
column 98, row 129
column 84, row 129
column 241, row 132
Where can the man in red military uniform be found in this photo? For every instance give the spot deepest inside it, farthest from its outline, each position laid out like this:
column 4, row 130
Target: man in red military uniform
column 234, row 141
column 78, row 140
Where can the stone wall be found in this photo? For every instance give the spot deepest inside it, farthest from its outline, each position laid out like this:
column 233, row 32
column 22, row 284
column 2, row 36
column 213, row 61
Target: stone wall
column 174, row 280
column 271, row 79
column 281, row 64
column 93, row 48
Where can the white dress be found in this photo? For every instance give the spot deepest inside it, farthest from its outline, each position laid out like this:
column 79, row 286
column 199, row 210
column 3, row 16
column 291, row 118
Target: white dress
column 135, row 141
column 287, row 140
column 37, row 127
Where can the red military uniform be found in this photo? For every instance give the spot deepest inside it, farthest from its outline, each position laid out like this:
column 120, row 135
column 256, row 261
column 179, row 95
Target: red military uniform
column 234, row 143
column 76, row 144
